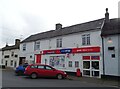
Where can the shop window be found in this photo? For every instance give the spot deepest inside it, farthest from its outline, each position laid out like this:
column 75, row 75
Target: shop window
column 76, row 63
column 57, row 61
column 95, row 64
column 86, row 64
column 86, row 39
column 70, row 63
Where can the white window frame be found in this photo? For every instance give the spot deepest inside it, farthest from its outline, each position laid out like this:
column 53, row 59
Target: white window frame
column 76, row 65
column 59, row 42
column 86, row 39
column 24, row 47
column 70, row 64
column 37, row 45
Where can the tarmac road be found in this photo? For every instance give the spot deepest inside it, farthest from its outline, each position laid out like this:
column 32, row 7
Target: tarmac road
column 10, row 80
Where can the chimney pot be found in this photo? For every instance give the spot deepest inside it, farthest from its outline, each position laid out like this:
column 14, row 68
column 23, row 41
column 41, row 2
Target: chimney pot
column 106, row 16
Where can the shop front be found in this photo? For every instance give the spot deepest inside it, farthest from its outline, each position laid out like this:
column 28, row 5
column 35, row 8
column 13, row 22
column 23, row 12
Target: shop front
column 87, row 59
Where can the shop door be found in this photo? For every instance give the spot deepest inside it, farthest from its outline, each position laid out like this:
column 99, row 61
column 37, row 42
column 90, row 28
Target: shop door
column 91, row 68
column 95, row 71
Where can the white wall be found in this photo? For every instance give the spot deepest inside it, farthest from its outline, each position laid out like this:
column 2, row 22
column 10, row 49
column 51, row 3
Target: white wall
column 9, row 52
column 70, row 41
column 0, row 57
column 111, row 64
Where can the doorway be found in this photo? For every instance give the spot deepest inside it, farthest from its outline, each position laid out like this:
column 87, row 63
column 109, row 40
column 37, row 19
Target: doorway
column 91, row 68
column 6, row 63
column 22, row 60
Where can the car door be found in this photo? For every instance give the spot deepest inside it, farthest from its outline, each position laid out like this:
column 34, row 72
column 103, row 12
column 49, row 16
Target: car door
column 41, row 70
column 50, row 72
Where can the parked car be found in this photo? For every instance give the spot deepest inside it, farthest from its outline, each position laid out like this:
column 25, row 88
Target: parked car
column 20, row 69
column 42, row 70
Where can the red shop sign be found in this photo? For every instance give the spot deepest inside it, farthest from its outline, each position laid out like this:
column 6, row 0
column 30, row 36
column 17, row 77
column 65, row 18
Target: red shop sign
column 86, row 50
column 51, row 52
column 74, row 50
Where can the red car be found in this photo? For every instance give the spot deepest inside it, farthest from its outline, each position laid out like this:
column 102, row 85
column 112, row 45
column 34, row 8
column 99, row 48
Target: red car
column 42, row 70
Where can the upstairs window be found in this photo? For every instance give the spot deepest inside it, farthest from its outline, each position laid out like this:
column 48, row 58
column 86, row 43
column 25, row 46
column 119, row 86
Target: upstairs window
column 16, row 55
column 59, row 42
column 6, row 56
column 24, row 47
column 86, row 39
column 37, row 45
column 12, row 54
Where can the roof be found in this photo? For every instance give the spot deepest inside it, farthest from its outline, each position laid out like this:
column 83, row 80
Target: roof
column 92, row 25
column 10, row 47
column 112, row 27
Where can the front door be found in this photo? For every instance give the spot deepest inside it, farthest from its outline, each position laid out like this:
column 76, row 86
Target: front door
column 38, row 58
column 6, row 63
column 91, row 67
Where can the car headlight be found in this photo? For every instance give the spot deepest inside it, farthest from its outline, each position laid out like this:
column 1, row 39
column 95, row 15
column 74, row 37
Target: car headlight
column 65, row 73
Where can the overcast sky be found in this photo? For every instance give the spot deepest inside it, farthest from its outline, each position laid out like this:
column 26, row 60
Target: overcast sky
column 22, row 18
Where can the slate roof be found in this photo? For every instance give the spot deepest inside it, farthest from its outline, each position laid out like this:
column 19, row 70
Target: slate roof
column 111, row 28
column 92, row 25
column 10, row 47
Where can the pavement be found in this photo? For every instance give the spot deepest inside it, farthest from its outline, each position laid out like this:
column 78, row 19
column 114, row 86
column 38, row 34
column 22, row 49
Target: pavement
column 114, row 83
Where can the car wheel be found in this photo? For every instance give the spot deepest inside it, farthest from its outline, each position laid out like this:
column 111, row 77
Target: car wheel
column 59, row 76
column 33, row 75
column 19, row 73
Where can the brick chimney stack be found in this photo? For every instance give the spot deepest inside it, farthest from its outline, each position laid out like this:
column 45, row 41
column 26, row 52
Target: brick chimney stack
column 58, row 26
column 17, row 41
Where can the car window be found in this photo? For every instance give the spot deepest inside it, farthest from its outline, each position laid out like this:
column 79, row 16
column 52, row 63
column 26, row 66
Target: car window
column 33, row 66
column 41, row 67
column 49, row 68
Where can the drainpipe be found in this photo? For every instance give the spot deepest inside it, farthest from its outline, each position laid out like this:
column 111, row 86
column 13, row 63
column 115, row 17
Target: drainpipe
column 103, row 56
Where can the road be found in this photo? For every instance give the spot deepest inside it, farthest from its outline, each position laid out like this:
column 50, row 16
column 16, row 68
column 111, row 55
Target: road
column 10, row 80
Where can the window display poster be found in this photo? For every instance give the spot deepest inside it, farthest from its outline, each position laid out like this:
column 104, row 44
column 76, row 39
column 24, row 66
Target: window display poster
column 57, row 61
